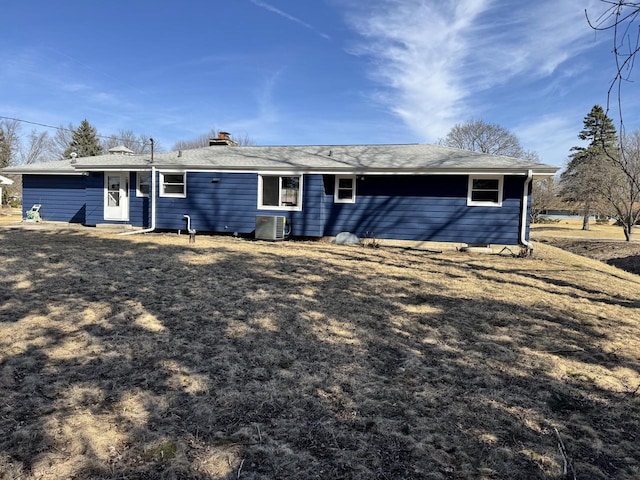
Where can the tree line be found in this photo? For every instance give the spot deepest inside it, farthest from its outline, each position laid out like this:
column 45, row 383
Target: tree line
column 18, row 148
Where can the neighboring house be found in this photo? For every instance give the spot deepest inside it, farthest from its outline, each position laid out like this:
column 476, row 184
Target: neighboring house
column 4, row 181
column 406, row 192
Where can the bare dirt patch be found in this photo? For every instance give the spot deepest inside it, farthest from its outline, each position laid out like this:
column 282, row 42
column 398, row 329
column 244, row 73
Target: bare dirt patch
column 149, row 357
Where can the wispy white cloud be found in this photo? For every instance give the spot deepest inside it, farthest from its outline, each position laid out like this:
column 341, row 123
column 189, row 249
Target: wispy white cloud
column 434, row 61
column 559, row 133
column 277, row 11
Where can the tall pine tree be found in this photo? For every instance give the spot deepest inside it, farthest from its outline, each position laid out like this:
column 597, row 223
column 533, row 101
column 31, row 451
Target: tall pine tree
column 584, row 173
column 84, row 141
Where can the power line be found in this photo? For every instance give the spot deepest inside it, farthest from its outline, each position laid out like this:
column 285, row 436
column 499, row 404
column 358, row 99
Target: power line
column 71, row 130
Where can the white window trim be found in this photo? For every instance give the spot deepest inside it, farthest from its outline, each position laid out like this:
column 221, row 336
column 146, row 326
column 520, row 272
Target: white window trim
column 472, row 203
column 288, row 208
column 336, row 199
column 173, row 195
column 139, row 175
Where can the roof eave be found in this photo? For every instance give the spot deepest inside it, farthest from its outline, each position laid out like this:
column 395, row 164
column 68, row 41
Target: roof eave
column 42, row 172
column 539, row 171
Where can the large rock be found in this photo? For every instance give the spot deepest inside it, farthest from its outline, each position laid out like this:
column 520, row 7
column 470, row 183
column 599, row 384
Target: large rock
column 346, row 238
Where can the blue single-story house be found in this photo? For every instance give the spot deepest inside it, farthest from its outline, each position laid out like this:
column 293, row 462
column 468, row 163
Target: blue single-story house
column 405, row 192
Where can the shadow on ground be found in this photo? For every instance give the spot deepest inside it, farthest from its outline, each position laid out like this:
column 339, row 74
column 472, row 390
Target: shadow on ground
column 142, row 358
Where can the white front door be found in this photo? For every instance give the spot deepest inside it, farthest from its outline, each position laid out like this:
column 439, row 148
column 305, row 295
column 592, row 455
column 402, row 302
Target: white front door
column 116, row 195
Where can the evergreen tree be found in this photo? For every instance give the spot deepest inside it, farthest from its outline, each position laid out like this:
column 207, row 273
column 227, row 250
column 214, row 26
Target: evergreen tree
column 584, row 173
column 84, row 141
column 5, row 150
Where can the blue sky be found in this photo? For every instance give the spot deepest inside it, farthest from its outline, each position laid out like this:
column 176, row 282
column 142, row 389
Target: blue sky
column 309, row 71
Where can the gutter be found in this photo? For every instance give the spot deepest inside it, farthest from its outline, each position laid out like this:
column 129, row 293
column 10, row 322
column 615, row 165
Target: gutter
column 523, row 218
column 153, row 201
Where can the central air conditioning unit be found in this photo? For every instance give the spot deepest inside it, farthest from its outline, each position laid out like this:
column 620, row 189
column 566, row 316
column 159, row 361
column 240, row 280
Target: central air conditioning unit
column 270, row 227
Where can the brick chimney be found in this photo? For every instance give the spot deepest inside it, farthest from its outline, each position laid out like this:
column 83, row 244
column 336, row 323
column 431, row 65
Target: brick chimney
column 224, row 138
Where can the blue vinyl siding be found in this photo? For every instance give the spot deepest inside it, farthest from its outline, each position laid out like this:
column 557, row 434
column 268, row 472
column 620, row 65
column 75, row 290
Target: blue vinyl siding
column 95, row 198
column 62, row 196
column 230, row 204
column 408, row 207
column 224, row 206
column 423, row 207
column 139, row 207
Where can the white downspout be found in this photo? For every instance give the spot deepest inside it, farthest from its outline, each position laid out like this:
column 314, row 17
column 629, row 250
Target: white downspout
column 523, row 218
column 153, row 200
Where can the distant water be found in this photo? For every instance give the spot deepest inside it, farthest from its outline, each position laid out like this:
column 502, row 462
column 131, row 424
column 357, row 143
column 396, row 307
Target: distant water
column 567, row 217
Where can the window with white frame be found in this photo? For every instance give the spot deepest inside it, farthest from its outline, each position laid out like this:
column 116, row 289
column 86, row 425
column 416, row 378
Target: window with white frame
column 485, row 191
column 345, row 189
column 143, row 182
column 280, row 192
column 173, row 184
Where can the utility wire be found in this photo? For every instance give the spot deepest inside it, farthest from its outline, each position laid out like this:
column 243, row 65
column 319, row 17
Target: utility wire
column 71, row 130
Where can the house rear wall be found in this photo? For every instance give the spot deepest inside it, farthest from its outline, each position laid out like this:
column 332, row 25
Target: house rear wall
column 138, row 206
column 62, row 196
column 421, row 207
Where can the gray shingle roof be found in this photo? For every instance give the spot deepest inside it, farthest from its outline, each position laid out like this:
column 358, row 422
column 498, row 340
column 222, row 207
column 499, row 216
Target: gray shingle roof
column 415, row 158
column 56, row 167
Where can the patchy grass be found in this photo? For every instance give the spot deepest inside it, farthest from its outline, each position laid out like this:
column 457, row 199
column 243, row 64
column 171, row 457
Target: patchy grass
column 603, row 242
column 573, row 229
column 621, row 254
column 149, row 357
column 10, row 214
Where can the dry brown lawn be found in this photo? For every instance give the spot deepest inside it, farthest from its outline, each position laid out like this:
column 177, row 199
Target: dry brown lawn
column 601, row 242
column 149, row 357
column 10, row 214
column 573, row 229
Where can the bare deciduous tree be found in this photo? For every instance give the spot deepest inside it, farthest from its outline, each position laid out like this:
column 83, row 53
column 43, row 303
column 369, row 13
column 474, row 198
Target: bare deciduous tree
column 620, row 17
column 139, row 144
column 60, row 141
column 36, row 149
column 620, row 185
column 480, row 136
column 544, row 196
